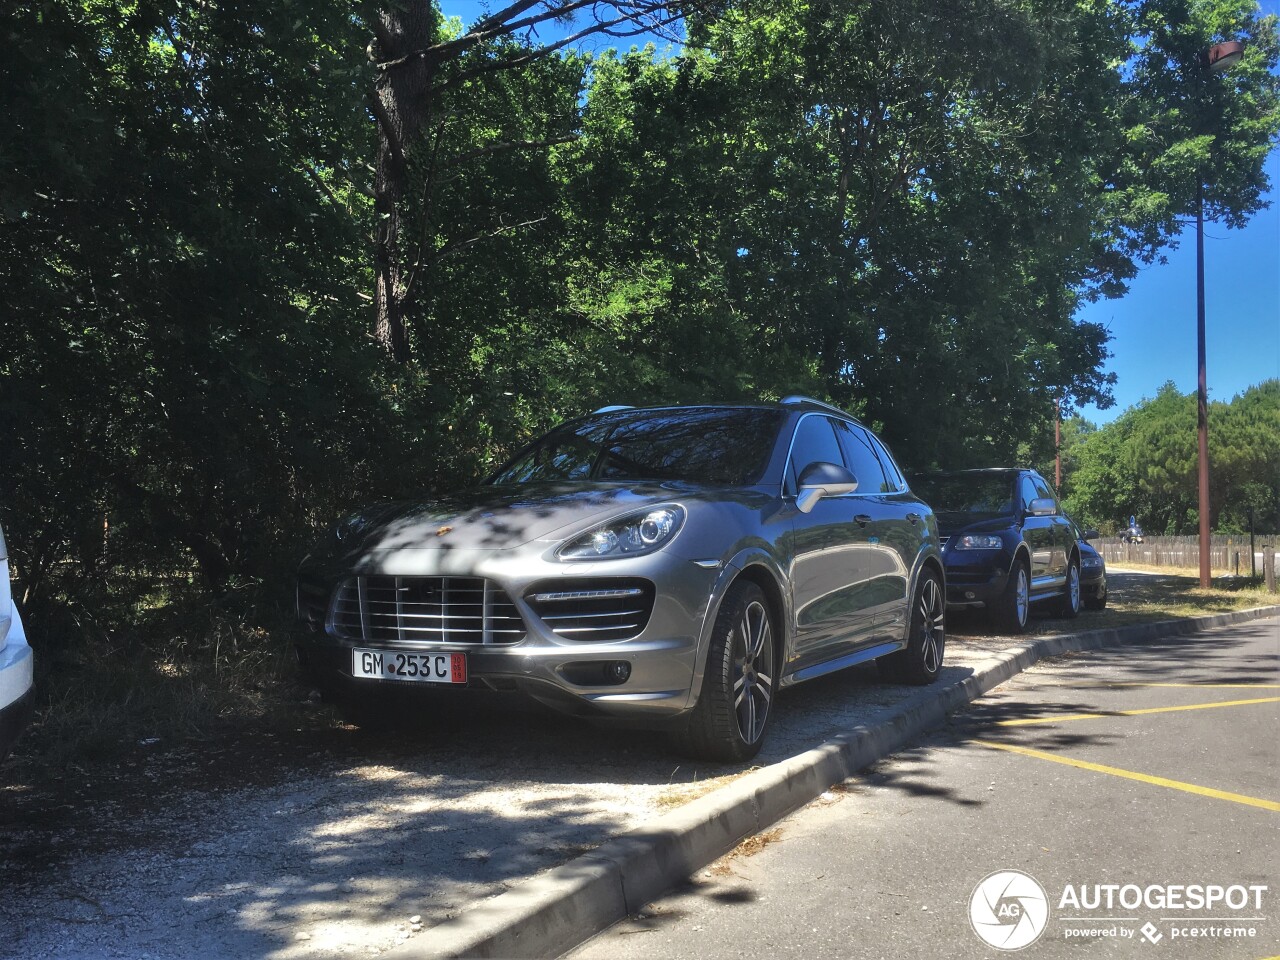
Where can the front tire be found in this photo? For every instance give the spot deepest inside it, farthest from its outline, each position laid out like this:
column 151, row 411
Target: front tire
column 1069, row 602
column 921, row 661
column 1012, row 609
column 734, row 706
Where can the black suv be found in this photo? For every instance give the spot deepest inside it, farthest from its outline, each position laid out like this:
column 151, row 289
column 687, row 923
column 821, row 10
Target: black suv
column 1005, row 543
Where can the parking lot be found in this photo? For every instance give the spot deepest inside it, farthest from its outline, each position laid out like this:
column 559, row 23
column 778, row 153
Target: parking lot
column 332, row 842
column 1120, row 781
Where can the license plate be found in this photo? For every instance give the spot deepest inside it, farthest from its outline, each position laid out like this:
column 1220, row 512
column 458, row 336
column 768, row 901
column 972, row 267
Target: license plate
column 418, row 667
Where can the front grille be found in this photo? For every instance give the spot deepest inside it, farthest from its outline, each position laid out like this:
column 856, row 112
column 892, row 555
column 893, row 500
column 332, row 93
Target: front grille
column 425, row 609
column 599, row 609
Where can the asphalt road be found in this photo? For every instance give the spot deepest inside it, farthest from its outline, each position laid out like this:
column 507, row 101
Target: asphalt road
column 1153, row 766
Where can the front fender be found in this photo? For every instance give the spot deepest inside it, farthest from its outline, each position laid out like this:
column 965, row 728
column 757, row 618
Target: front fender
column 749, row 558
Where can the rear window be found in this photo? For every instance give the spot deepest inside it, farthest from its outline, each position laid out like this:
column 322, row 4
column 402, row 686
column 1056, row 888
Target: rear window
column 713, row 445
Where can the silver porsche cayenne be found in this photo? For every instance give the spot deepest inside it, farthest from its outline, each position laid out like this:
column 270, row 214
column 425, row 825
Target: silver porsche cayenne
column 670, row 567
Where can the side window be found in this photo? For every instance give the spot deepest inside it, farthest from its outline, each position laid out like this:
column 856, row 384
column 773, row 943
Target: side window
column 864, row 459
column 815, row 440
column 1027, row 493
column 892, row 472
column 1042, row 488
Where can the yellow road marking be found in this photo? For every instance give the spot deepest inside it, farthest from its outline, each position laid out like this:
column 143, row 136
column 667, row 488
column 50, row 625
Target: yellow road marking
column 1192, row 686
column 1207, row 686
column 1133, row 713
column 1131, row 775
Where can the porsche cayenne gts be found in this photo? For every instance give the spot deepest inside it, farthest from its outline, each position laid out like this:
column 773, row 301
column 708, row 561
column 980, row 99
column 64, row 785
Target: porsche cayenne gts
column 670, row 567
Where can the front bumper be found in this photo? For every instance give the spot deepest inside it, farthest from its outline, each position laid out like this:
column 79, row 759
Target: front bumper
column 562, row 673
column 1093, row 582
column 975, row 577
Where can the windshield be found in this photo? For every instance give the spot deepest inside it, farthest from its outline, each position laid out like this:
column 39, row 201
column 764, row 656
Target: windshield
column 696, row 444
column 982, row 494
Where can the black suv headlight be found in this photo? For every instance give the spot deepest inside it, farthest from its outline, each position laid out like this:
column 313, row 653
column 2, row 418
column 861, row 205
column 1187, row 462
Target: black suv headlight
column 977, row 541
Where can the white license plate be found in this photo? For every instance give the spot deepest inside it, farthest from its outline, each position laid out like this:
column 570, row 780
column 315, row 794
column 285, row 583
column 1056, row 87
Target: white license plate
column 418, row 667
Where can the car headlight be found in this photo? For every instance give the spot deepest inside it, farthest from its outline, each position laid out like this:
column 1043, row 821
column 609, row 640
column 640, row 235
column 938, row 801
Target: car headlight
column 1091, row 562
column 350, row 526
column 975, row 541
column 632, row 535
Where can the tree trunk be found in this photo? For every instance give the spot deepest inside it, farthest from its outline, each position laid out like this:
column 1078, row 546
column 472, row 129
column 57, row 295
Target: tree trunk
column 401, row 104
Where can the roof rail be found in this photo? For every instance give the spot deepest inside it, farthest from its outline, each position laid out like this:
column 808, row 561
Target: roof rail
column 621, row 406
column 796, row 400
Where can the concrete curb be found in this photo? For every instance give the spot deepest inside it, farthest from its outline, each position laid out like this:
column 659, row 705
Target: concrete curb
column 553, row 912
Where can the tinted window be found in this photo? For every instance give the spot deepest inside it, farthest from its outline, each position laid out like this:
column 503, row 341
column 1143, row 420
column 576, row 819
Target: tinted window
column 1042, row 488
column 891, row 469
column 815, row 441
column 864, row 459
column 1028, row 493
column 989, row 494
column 697, row 444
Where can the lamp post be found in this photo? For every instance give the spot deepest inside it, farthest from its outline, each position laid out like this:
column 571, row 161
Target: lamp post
column 1216, row 59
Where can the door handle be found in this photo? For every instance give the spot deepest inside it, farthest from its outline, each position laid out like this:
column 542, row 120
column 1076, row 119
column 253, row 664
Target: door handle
column 862, row 519
column 913, row 517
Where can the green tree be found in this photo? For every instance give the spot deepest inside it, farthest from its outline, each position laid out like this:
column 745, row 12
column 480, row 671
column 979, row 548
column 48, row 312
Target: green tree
column 1144, row 463
column 182, row 236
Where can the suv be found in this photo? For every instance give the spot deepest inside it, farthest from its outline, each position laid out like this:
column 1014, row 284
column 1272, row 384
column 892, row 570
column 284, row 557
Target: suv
column 670, row 567
column 15, row 663
column 1006, row 543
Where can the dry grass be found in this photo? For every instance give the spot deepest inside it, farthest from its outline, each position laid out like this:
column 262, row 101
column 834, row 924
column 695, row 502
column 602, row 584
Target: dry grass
column 1167, row 596
column 747, row 848
column 99, row 701
column 678, row 794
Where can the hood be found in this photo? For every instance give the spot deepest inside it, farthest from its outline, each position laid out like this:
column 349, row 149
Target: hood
column 952, row 524
column 498, row 518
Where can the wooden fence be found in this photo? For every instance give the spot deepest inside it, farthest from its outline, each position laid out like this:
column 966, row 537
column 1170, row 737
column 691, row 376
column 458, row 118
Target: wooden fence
column 1227, row 554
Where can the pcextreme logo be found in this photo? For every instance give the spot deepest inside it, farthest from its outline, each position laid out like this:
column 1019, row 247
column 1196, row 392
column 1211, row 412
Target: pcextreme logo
column 1009, row 910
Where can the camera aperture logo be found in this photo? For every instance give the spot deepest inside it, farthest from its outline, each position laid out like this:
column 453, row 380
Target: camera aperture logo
column 1009, row 910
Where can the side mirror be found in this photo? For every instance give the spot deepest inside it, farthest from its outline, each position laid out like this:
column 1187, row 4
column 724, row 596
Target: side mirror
column 1043, row 507
column 819, row 480
column 1090, row 535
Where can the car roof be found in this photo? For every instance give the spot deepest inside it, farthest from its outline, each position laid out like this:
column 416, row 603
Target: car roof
column 792, row 402
column 979, row 471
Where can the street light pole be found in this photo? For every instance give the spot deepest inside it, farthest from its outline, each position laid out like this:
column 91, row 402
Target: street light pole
column 1216, row 59
column 1202, row 390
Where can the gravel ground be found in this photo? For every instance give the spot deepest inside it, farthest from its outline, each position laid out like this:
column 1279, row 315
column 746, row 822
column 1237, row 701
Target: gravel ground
column 335, row 843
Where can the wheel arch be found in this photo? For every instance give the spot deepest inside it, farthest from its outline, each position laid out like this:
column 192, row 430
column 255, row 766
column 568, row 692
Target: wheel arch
column 1021, row 554
column 760, row 575
column 755, row 567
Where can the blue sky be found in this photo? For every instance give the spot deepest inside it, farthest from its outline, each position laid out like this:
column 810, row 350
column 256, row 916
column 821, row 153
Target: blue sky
column 1153, row 327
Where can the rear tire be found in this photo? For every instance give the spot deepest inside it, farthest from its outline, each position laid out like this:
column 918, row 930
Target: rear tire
column 734, row 706
column 921, row 661
column 1012, row 609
